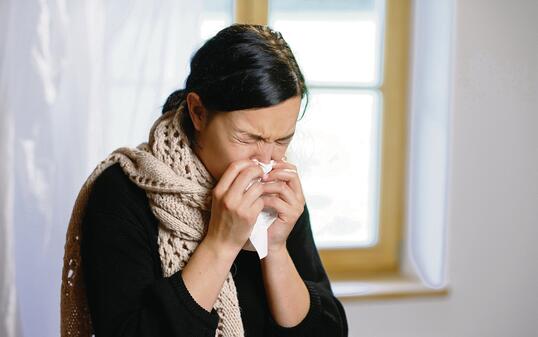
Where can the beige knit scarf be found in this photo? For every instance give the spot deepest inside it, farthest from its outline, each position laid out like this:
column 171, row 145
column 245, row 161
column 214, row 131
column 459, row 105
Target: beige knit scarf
column 178, row 187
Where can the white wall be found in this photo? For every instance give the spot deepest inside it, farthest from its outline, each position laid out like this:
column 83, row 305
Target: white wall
column 492, row 213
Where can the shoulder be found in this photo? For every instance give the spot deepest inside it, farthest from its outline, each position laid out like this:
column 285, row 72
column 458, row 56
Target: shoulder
column 115, row 195
column 118, row 223
column 114, row 180
column 117, row 212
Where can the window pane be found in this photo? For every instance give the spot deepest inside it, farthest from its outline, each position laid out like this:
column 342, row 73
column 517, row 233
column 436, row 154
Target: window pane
column 335, row 42
column 336, row 150
column 216, row 15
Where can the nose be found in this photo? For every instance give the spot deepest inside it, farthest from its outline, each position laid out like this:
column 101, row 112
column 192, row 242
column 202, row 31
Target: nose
column 265, row 152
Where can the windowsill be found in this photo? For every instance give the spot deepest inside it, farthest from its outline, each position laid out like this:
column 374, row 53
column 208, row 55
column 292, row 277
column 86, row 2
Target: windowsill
column 385, row 287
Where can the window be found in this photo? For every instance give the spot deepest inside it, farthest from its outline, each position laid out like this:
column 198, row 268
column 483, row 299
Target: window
column 350, row 145
column 216, row 15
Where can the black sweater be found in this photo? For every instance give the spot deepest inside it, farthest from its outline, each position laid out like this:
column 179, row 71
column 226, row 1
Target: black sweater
column 128, row 295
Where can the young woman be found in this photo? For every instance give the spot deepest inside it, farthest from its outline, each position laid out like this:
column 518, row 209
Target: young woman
column 156, row 245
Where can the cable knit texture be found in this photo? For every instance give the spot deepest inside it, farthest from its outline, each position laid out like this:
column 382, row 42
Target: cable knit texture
column 178, row 187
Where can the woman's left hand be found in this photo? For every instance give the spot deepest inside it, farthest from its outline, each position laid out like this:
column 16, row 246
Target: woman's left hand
column 284, row 193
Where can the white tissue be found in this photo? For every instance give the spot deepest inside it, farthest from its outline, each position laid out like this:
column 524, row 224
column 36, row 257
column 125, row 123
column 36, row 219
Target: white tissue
column 258, row 237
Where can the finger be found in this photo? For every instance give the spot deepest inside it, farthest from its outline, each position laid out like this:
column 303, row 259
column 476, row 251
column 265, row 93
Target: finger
column 281, row 189
column 288, row 176
column 245, row 179
column 276, row 203
column 283, row 166
column 231, row 172
column 279, row 164
column 252, row 195
column 252, row 199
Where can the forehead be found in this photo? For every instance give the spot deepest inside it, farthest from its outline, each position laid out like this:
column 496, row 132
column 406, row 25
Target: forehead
column 269, row 121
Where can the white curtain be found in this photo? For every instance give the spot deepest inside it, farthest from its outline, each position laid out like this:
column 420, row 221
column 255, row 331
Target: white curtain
column 77, row 80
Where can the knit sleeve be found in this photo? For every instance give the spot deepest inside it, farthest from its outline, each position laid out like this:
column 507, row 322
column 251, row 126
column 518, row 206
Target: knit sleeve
column 326, row 315
column 126, row 292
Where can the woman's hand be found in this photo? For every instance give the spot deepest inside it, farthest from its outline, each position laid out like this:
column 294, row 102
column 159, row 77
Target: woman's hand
column 234, row 211
column 284, row 193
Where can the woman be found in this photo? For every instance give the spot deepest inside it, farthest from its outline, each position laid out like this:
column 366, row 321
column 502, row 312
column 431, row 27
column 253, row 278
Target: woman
column 156, row 241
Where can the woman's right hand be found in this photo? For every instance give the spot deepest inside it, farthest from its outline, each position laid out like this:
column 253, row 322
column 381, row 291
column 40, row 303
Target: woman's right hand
column 234, row 211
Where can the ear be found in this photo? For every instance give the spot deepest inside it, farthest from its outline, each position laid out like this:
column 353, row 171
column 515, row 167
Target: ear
column 197, row 111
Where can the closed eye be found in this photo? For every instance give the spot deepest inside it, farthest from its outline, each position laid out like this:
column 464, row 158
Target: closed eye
column 243, row 141
column 283, row 141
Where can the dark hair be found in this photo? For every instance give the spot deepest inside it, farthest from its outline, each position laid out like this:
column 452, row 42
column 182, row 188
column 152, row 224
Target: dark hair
column 243, row 66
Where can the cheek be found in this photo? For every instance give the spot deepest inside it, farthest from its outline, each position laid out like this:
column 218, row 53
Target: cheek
column 280, row 151
column 241, row 151
column 226, row 153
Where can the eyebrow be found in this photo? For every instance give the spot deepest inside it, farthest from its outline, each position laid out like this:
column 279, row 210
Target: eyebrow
column 255, row 136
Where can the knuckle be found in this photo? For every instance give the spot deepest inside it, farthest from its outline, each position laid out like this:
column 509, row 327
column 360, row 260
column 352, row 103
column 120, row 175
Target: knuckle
column 215, row 193
column 227, row 204
column 235, row 165
column 243, row 214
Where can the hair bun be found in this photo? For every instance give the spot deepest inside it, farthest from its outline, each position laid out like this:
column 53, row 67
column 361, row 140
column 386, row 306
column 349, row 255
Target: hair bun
column 174, row 100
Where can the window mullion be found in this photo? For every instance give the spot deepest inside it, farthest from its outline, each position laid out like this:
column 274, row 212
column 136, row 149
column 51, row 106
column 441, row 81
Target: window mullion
column 252, row 11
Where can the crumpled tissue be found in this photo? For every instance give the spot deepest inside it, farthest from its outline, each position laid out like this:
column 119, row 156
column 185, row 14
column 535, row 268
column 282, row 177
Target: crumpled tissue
column 258, row 237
